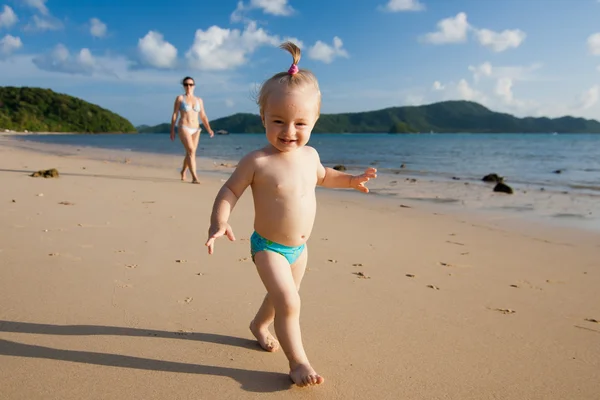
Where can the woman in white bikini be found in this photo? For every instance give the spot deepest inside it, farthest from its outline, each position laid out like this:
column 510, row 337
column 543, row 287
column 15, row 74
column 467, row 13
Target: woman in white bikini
column 189, row 107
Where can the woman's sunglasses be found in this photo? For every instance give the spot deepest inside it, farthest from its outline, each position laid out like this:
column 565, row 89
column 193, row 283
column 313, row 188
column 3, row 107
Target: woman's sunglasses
column 188, row 84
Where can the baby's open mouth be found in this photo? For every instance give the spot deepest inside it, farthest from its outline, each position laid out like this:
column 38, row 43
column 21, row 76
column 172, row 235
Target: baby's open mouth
column 287, row 141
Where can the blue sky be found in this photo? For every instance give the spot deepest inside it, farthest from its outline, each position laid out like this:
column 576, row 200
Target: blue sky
column 525, row 57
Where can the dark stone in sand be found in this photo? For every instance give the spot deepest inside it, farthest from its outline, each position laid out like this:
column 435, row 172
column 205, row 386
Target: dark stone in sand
column 558, row 171
column 339, row 167
column 48, row 173
column 503, row 188
column 493, row 178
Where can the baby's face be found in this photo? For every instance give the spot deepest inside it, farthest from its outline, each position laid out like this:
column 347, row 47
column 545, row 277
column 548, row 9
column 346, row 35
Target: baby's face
column 289, row 117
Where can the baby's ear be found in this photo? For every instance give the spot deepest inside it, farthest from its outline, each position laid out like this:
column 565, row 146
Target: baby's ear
column 262, row 119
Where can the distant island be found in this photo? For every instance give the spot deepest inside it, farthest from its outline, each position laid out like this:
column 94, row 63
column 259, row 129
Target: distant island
column 43, row 110
column 443, row 117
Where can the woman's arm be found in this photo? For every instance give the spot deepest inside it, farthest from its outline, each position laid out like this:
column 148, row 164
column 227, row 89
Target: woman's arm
column 204, row 118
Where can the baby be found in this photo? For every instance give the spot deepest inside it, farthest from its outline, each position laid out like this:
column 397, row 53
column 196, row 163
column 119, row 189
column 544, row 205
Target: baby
column 283, row 176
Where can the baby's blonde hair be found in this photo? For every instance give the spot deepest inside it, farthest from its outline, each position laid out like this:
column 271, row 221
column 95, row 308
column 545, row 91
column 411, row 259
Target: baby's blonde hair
column 294, row 77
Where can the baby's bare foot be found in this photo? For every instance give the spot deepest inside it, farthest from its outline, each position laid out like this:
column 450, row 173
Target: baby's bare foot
column 305, row 375
column 264, row 337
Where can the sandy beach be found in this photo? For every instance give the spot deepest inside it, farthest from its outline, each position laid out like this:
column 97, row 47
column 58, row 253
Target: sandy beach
column 107, row 292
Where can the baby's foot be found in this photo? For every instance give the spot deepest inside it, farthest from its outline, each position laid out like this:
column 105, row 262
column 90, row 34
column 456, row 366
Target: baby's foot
column 264, row 337
column 305, row 375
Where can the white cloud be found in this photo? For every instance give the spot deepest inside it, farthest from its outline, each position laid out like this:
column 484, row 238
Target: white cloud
column 402, row 5
column 44, row 24
column 502, row 41
column 9, row 44
column 484, row 69
column 39, row 5
column 589, row 98
column 593, row 43
column 438, row 86
column 97, row 28
column 465, row 91
column 325, row 53
column 8, row 17
column 273, row 7
column 61, row 60
column 450, row 30
column 515, row 72
column 504, row 90
column 157, row 52
column 222, row 49
column 229, row 103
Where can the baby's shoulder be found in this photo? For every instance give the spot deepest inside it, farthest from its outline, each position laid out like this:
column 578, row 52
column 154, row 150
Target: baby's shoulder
column 311, row 152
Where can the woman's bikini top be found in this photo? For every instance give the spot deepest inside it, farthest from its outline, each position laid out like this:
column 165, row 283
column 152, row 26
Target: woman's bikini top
column 184, row 106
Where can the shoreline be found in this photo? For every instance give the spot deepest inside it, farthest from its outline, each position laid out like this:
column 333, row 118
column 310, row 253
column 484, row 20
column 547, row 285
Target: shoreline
column 551, row 206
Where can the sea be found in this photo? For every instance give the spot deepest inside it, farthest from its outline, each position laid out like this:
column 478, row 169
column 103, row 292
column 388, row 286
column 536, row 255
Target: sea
column 556, row 175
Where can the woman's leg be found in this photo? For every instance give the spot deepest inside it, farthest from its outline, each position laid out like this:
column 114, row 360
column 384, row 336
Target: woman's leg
column 190, row 151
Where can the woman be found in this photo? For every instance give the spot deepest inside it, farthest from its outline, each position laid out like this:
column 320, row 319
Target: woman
column 189, row 106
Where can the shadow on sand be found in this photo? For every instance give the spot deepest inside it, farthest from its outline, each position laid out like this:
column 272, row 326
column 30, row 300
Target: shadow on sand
column 253, row 381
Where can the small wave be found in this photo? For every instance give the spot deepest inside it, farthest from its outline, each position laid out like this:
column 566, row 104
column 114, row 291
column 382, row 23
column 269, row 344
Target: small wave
column 585, row 187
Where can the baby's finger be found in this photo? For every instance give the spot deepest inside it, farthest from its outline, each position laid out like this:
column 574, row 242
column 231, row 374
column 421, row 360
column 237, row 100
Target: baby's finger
column 230, row 234
column 210, row 244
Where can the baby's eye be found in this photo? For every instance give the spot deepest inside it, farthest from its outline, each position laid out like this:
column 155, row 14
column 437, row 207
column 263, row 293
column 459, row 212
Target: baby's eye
column 301, row 123
column 278, row 121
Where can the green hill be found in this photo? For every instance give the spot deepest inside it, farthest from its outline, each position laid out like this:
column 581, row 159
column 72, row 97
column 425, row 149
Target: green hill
column 42, row 110
column 443, row 117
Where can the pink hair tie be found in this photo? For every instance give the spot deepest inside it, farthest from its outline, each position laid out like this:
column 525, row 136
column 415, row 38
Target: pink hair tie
column 293, row 69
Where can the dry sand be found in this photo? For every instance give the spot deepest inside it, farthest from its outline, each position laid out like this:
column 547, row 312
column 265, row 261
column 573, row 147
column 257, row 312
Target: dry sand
column 111, row 295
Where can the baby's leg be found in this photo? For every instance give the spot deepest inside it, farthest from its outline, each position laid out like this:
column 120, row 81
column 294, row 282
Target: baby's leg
column 266, row 313
column 276, row 274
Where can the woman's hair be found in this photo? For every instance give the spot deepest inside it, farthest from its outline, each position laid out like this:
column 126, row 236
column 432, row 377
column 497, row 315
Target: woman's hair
column 294, row 77
column 186, row 78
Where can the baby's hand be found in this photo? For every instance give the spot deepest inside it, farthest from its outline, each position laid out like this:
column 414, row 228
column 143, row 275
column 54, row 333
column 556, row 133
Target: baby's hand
column 358, row 181
column 216, row 231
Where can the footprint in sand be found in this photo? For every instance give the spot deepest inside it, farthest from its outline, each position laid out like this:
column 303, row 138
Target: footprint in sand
column 131, row 266
column 445, row 264
column 332, row 261
column 595, row 321
column 528, row 284
column 410, row 275
column 357, row 265
column 504, row 310
column 66, row 203
column 243, row 259
column 433, row 287
column 123, row 284
column 53, row 254
column 187, row 300
column 361, row 275
column 181, row 261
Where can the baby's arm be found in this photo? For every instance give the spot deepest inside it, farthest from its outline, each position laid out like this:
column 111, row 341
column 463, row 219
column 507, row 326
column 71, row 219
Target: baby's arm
column 227, row 198
column 331, row 178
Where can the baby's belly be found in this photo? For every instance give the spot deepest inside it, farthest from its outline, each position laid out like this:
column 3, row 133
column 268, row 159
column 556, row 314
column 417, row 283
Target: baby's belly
column 289, row 225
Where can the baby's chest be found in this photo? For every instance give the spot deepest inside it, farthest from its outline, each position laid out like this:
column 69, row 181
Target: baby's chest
column 288, row 181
